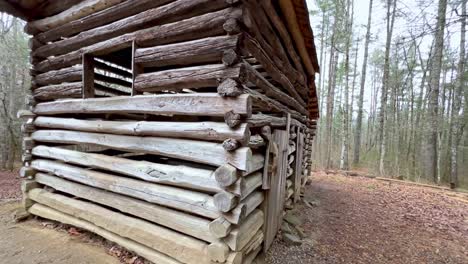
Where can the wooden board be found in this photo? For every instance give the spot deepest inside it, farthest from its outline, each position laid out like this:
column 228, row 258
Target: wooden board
column 298, row 166
column 275, row 196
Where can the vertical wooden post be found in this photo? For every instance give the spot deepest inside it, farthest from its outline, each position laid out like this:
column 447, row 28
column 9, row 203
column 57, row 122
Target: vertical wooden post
column 136, row 69
column 88, row 76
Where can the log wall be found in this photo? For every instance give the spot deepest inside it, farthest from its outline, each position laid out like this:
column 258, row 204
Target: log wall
column 155, row 125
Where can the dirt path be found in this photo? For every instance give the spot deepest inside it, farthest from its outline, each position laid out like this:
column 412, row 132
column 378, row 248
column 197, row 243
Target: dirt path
column 361, row 220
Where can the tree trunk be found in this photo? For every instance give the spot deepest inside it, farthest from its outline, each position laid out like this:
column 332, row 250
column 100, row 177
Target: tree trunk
column 456, row 102
column 357, row 136
column 385, row 83
column 429, row 149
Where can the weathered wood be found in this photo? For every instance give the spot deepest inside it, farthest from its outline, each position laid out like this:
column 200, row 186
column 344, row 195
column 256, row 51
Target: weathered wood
column 218, row 252
column 260, row 120
column 246, row 185
column 174, row 175
column 70, row 74
column 298, row 165
column 141, row 250
column 231, row 26
column 193, row 28
column 77, row 11
column 230, row 57
column 283, row 32
column 206, row 104
column 185, row 78
column 232, row 118
column 177, row 198
column 256, row 141
column 174, row 244
column 252, row 257
column 96, row 19
column 254, row 243
column 185, row 223
column 88, row 76
column 265, row 103
column 113, row 80
column 249, row 204
column 229, row 87
column 225, row 201
column 267, row 36
column 70, row 90
column 220, row 227
column 206, row 50
column 253, row 47
column 210, row 153
column 231, row 144
column 240, row 236
column 28, row 143
column 250, row 75
column 171, row 12
column 226, row 175
column 235, row 257
column 275, row 197
column 215, row 131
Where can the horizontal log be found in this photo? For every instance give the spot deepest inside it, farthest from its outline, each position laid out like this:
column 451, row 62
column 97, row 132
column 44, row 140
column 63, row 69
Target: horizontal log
column 174, row 175
column 206, row 104
column 240, row 236
column 70, row 90
column 218, row 252
column 176, row 198
column 75, row 12
column 166, row 241
column 199, row 51
column 215, row 131
column 71, row 74
column 250, row 75
column 185, row 223
column 112, row 80
column 210, row 153
column 171, row 12
column 193, row 28
column 96, row 19
column 226, row 175
column 185, row 78
column 142, row 250
column 260, row 120
column 254, row 243
column 250, row 203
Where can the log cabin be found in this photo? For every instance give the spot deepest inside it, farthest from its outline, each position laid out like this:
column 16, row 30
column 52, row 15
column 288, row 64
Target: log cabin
column 178, row 129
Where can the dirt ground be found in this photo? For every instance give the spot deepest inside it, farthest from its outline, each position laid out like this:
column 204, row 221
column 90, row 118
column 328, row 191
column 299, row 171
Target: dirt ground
column 351, row 220
column 362, row 220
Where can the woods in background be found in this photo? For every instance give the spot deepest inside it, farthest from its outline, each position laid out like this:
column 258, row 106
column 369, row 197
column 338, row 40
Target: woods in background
column 14, row 85
column 403, row 112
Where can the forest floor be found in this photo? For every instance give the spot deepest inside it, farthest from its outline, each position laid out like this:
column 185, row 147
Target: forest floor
column 348, row 220
column 363, row 220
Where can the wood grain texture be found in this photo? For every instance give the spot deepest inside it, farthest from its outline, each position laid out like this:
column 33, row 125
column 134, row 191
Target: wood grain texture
column 185, row 223
column 197, row 151
column 210, row 131
column 174, row 244
column 174, row 175
column 207, row 104
column 176, row 198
